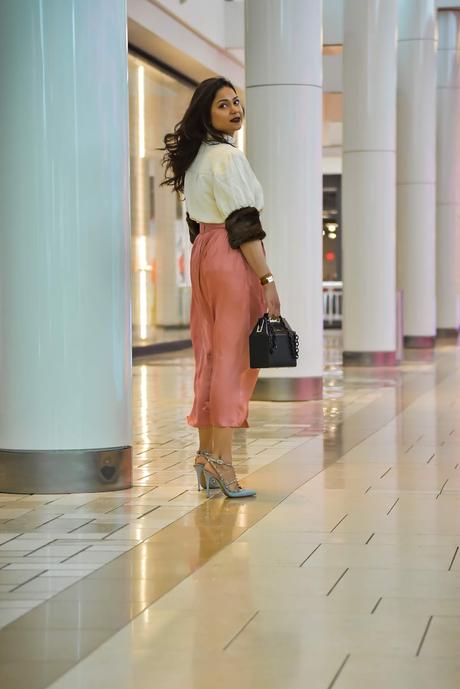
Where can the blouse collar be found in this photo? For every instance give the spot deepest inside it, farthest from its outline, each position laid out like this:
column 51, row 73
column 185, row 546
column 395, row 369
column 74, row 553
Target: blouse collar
column 210, row 140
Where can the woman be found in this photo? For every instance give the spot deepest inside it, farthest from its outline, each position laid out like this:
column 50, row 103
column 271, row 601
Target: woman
column 232, row 286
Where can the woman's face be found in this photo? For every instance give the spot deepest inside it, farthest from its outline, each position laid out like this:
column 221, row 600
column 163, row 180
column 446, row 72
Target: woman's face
column 226, row 111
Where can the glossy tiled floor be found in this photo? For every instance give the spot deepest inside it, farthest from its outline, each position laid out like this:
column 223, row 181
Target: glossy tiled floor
column 344, row 572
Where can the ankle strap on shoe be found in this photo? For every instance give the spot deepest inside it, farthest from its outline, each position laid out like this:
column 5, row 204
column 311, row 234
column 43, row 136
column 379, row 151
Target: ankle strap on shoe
column 217, row 460
column 203, row 453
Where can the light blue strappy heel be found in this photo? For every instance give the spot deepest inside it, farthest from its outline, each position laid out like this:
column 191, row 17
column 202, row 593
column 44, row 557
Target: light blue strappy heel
column 199, row 468
column 215, row 462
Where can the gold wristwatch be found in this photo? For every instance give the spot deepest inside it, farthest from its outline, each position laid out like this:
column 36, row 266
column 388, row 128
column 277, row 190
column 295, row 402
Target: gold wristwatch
column 266, row 279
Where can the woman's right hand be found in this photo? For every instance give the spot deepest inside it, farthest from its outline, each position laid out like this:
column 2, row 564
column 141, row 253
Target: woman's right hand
column 272, row 300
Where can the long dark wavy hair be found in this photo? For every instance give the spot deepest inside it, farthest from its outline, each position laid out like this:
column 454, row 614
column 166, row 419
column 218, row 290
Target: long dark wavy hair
column 182, row 145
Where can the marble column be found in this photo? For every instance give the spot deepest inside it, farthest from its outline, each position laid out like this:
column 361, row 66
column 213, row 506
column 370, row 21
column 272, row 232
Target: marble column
column 369, row 182
column 65, row 334
column 448, row 174
column 284, row 134
column 416, row 170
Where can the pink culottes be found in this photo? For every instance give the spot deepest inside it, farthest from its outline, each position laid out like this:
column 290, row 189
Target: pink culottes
column 227, row 301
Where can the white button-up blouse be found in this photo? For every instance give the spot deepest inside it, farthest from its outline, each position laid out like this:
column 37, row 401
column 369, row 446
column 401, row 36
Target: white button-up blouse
column 220, row 181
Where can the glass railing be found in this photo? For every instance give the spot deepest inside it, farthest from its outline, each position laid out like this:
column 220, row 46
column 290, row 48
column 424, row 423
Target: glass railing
column 332, row 304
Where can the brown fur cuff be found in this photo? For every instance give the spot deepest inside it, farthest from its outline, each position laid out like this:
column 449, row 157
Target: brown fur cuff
column 243, row 225
column 193, row 228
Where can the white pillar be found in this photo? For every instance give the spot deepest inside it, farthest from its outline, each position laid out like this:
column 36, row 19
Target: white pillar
column 369, row 176
column 416, row 169
column 448, row 174
column 65, row 331
column 284, row 133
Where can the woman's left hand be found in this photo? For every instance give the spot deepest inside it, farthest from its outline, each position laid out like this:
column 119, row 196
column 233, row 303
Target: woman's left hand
column 272, row 300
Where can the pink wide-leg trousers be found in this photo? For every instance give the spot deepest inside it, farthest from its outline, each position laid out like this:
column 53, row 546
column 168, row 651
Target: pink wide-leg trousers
column 227, row 301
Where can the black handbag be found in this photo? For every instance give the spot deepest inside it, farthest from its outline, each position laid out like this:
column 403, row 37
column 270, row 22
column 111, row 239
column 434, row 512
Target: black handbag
column 273, row 344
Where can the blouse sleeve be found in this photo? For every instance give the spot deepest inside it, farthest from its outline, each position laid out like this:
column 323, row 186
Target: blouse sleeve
column 234, row 182
column 238, row 197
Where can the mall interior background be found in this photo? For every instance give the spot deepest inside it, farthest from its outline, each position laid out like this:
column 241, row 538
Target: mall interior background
column 163, row 72
column 174, row 44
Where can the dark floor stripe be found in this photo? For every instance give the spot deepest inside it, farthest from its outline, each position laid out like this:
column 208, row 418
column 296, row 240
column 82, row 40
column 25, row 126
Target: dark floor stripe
column 40, row 547
column 23, row 583
column 240, row 630
column 393, row 505
column 338, row 580
column 312, row 552
column 424, row 636
column 442, row 488
column 69, row 557
column 336, row 676
column 339, row 522
column 453, row 559
column 376, row 606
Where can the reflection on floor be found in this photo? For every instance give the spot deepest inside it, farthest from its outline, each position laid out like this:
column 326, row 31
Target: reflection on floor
column 344, row 572
column 157, row 335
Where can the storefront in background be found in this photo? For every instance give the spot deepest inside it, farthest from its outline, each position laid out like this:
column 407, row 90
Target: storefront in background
column 332, row 226
column 160, row 244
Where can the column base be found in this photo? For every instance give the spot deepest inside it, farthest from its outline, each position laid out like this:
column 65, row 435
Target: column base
column 65, row 471
column 419, row 341
column 288, row 389
column 449, row 333
column 369, row 359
